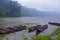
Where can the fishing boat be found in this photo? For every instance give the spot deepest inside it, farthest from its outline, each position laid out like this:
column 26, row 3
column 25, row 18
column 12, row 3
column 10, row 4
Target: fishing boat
column 54, row 23
column 12, row 29
column 38, row 28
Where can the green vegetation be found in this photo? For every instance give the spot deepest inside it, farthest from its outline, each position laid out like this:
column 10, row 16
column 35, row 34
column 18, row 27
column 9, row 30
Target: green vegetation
column 57, row 31
column 58, row 38
column 1, row 37
column 41, row 37
column 25, row 37
column 7, row 38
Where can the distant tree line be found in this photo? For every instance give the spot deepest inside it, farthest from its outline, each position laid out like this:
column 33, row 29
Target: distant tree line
column 9, row 8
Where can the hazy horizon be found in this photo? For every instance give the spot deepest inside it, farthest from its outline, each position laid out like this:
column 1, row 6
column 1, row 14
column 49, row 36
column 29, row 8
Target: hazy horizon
column 42, row 5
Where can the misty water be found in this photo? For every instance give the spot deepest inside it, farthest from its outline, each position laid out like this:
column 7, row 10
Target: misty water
column 8, row 22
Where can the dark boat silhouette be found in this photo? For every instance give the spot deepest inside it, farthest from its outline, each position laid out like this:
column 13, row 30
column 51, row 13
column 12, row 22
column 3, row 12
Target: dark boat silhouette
column 54, row 23
column 38, row 28
column 11, row 29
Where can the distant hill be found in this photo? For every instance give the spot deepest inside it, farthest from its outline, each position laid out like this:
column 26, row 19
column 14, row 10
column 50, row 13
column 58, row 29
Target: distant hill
column 36, row 13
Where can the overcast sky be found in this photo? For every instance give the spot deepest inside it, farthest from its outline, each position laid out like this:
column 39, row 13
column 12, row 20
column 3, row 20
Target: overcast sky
column 42, row 5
